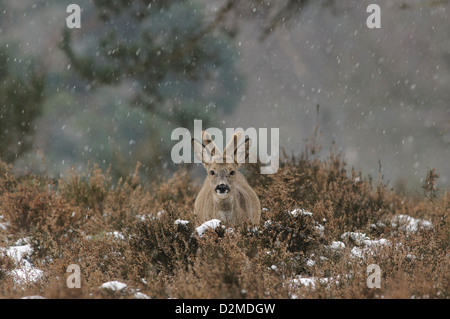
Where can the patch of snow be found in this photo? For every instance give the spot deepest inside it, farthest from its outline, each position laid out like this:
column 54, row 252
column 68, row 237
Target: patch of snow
column 151, row 216
column 252, row 230
column 357, row 252
column 299, row 211
column 113, row 285
column 320, row 229
column 18, row 253
column 376, row 242
column 158, row 214
column 3, row 225
column 370, row 249
column 140, row 295
column 336, row 245
column 310, row 263
column 379, row 224
column 210, row 224
column 267, row 223
column 364, row 245
column 231, row 230
column 357, row 237
column 24, row 272
column 409, row 224
column 116, row 234
column 181, row 222
column 310, row 282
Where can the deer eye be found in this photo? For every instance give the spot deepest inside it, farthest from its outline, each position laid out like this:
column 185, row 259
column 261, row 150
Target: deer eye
column 232, row 173
column 211, row 173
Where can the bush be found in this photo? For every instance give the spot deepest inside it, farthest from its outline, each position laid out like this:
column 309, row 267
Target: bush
column 146, row 236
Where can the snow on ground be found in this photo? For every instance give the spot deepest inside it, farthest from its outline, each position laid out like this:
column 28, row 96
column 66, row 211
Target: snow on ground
column 310, row 282
column 3, row 225
column 336, row 245
column 370, row 249
column 116, row 235
column 113, row 285
column 210, row 224
column 181, row 222
column 409, row 224
column 267, row 223
column 150, row 216
column 118, row 286
column 299, row 211
column 357, row 237
column 364, row 245
column 24, row 272
column 320, row 229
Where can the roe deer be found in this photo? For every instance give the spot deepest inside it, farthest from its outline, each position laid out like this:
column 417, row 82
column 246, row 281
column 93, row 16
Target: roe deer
column 225, row 194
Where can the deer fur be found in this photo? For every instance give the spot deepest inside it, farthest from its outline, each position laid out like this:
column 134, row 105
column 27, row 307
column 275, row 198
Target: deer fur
column 225, row 194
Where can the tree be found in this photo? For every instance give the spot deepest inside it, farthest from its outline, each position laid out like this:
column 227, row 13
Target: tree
column 21, row 96
column 177, row 64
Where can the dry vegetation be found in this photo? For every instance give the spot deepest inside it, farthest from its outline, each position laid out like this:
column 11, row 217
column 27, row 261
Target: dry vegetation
column 127, row 232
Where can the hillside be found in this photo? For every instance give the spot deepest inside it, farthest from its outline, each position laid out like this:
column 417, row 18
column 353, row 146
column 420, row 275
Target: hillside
column 322, row 226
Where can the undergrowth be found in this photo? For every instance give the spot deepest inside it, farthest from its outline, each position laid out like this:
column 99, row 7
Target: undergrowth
column 145, row 236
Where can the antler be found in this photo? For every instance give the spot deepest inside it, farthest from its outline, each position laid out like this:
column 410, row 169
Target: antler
column 209, row 144
column 232, row 147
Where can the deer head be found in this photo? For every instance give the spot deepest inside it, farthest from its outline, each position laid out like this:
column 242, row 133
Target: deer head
column 221, row 167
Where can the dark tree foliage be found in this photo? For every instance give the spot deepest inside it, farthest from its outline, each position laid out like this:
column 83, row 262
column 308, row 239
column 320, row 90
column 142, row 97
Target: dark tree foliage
column 21, row 96
column 178, row 64
column 167, row 48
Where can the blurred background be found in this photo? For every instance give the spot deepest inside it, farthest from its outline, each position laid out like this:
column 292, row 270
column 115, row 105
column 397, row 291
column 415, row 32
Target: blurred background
column 112, row 91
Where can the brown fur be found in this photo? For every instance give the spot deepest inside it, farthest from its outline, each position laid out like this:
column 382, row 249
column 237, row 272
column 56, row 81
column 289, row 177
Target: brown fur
column 240, row 203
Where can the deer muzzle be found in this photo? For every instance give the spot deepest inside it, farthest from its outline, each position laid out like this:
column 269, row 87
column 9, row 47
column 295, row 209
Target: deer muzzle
column 222, row 189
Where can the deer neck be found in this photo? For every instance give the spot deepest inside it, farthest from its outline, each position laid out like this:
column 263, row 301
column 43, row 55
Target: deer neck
column 224, row 207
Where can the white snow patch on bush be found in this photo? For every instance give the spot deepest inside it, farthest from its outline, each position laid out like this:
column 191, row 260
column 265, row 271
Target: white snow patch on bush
column 140, row 295
column 409, row 224
column 310, row 282
column 305, row 281
column 24, row 272
column 364, row 245
column 116, row 234
column 151, row 216
column 370, row 248
column 299, row 211
column 310, row 263
column 320, row 229
column 181, row 222
column 3, row 225
column 113, row 285
column 336, row 245
column 210, row 224
column 357, row 237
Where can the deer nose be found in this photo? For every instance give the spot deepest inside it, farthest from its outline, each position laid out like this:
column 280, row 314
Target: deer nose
column 222, row 188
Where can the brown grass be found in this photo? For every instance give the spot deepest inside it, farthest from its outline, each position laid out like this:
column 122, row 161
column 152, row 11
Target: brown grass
column 72, row 220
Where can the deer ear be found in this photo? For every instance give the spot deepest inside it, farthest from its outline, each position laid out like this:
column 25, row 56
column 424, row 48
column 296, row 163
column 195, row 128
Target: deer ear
column 242, row 151
column 201, row 152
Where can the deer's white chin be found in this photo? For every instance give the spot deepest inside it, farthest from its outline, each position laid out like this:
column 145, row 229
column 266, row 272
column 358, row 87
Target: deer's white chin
column 225, row 194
